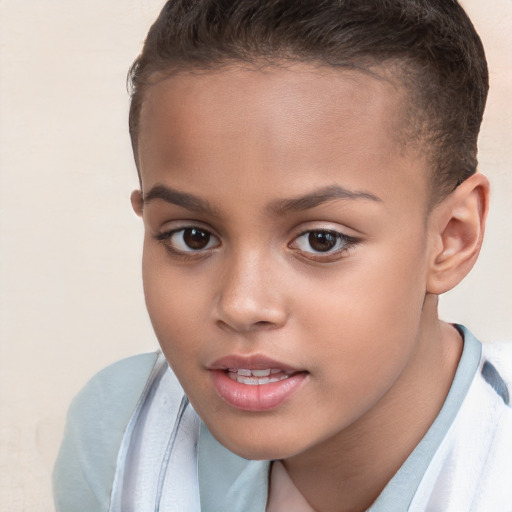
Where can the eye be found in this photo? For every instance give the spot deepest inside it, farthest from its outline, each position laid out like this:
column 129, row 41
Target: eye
column 188, row 240
column 323, row 242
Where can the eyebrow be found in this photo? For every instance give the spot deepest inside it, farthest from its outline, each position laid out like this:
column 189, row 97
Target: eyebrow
column 187, row 201
column 318, row 197
column 279, row 207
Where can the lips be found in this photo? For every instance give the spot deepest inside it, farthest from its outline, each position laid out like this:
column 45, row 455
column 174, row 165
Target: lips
column 255, row 383
column 252, row 362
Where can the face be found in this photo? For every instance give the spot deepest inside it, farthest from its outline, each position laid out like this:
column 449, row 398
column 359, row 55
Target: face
column 285, row 249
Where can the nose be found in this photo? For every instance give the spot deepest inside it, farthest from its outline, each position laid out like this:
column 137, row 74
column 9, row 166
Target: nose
column 251, row 296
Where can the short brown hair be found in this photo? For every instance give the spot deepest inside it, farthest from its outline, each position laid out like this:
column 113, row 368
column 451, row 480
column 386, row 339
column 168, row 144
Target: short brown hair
column 431, row 44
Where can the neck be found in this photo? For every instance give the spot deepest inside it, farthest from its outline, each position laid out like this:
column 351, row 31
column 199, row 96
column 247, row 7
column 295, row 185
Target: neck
column 349, row 471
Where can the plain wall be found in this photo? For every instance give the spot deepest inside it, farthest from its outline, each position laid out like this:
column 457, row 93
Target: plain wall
column 71, row 296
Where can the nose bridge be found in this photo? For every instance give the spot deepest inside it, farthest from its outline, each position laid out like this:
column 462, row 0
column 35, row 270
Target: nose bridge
column 249, row 295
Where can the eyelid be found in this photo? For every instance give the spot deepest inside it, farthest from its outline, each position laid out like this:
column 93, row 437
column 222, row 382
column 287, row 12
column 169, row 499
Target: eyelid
column 183, row 223
column 173, row 226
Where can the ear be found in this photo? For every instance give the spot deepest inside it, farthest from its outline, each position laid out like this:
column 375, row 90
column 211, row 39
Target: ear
column 137, row 202
column 457, row 227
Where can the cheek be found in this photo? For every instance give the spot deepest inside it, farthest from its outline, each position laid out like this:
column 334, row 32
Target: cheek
column 370, row 309
column 172, row 301
column 376, row 284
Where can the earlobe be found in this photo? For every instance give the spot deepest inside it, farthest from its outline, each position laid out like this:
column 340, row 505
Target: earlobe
column 137, row 202
column 458, row 225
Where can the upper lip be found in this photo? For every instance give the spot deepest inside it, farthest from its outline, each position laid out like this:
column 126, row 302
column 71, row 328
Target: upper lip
column 250, row 362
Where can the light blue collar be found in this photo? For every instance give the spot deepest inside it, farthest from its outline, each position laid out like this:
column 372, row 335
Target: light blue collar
column 227, row 481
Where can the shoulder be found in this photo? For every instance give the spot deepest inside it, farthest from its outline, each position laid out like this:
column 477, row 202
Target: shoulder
column 471, row 467
column 499, row 356
column 493, row 364
column 120, row 380
column 96, row 421
column 483, row 434
column 492, row 427
column 109, row 398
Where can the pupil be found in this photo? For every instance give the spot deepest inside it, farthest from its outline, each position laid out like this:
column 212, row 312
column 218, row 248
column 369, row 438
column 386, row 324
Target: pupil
column 322, row 241
column 195, row 238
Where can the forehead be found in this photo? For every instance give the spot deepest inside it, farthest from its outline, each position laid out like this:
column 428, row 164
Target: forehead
column 295, row 123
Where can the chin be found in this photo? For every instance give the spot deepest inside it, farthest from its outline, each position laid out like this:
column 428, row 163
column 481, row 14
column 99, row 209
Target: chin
column 259, row 453
column 259, row 447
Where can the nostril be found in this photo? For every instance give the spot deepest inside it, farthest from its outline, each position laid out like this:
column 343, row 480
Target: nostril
column 260, row 325
column 263, row 323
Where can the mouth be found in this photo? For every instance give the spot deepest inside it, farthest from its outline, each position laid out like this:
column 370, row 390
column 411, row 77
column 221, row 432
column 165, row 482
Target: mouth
column 255, row 383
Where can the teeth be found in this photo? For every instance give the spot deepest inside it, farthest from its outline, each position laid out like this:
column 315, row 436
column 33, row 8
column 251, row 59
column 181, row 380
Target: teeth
column 244, row 372
column 257, row 377
column 261, row 373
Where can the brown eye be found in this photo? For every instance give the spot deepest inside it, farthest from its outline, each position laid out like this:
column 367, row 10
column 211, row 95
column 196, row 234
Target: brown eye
column 188, row 240
column 196, row 239
column 323, row 244
column 322, row 241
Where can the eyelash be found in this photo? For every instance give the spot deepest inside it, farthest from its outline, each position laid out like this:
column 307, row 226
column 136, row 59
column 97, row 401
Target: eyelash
column 343, row 243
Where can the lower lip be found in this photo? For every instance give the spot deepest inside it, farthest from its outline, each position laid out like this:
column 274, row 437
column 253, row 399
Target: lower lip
column 262, row 397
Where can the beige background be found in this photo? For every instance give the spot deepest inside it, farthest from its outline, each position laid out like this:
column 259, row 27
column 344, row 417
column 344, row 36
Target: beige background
column 70, row 298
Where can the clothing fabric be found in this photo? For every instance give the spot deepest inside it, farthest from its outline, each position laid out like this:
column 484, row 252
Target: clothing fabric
column 134, row 443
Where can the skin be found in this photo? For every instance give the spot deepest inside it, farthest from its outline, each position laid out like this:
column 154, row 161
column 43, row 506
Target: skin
column 361, row 320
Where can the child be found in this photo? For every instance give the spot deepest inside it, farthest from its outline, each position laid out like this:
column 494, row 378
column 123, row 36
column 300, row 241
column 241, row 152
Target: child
column 308, row 187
